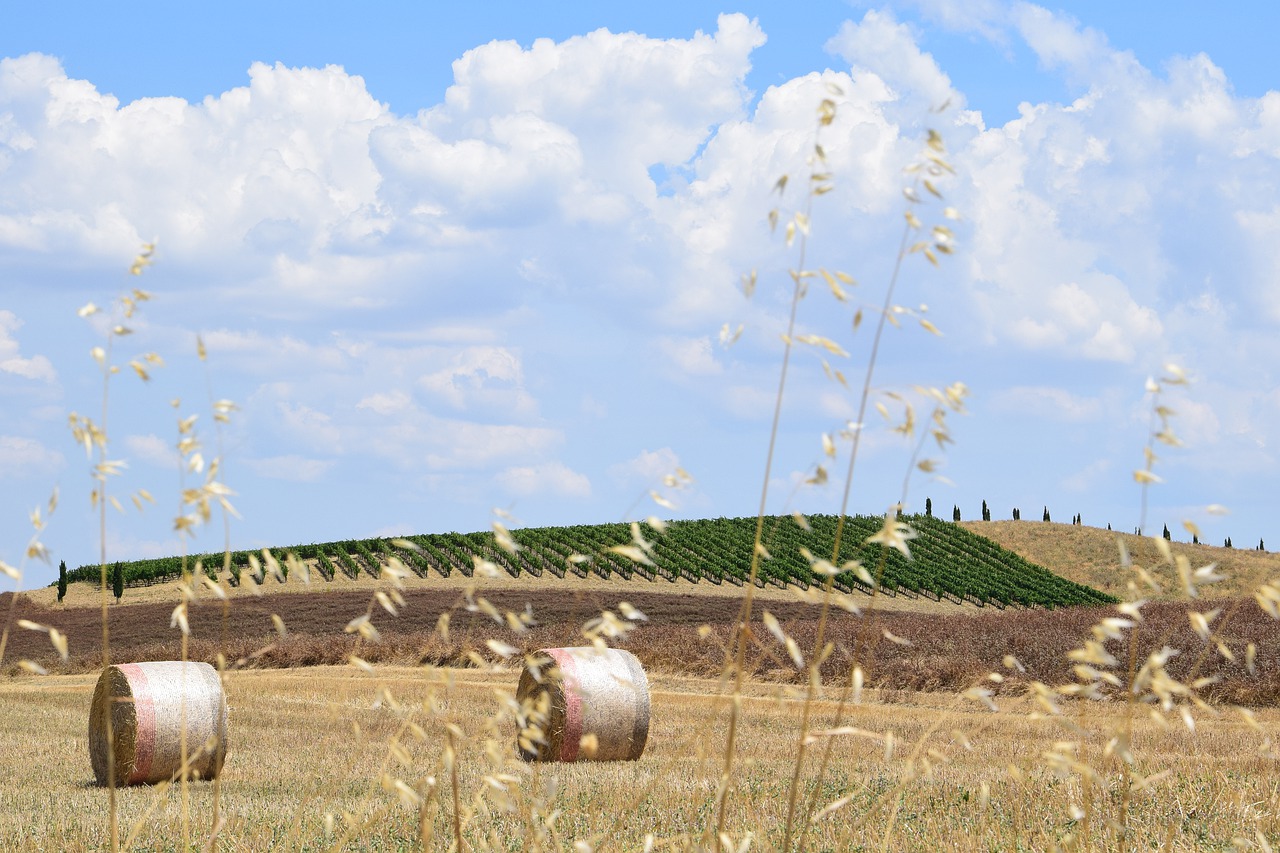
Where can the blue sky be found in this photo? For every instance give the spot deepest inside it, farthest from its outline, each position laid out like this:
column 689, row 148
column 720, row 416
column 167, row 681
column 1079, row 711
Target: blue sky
column 446, row 261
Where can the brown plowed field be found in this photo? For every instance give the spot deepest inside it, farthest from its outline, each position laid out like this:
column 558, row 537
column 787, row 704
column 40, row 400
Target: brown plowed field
column 946, row 651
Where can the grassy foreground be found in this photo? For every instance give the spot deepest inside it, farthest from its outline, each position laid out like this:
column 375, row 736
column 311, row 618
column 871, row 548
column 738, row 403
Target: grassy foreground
column 306, row 744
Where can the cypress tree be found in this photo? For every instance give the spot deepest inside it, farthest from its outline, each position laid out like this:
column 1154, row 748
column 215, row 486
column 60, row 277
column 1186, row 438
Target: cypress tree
column 986, row 512
column 1166, row 533
column 1226, row 543
column 928, row 507
column 1108, row 525
column 1195, row 540
column 1017, row 516
column 117, row 582
column 1046, row 513
column 1260, row 548
column 62, row 580
column 955, row 513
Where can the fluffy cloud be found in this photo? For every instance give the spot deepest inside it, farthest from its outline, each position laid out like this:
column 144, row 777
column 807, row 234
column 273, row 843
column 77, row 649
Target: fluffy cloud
column 37, row 367
column 390, row 403
column 480, row 376
column 22, row 457
column 649, row 468
column 881, row 46
column 691, row 356
column 292, row 468
column 1048, row 403
column 153, row 450
column 631, row 100
column 306, row 192
column 281, row 163
column 440, row 295
column 553, row 478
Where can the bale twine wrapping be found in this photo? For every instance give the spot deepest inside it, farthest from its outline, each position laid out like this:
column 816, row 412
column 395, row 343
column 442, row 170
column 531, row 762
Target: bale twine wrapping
column 589, row 692
column 147, row 703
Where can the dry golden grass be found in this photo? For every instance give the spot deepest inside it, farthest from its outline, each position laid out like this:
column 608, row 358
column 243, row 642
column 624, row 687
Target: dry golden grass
column 307, row 743
column 1088, row 555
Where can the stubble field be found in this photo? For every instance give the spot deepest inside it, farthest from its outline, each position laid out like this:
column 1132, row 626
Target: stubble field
column 309, row 743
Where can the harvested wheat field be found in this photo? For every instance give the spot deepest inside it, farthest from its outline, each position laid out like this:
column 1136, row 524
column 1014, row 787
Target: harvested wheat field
column 309, row 748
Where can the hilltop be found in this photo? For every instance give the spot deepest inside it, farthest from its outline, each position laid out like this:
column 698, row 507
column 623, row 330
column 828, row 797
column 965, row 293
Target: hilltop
column 1090, row 556
column 945, row 561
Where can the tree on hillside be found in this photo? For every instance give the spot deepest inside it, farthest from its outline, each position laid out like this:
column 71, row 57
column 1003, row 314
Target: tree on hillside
column 117, row 582
column 1195, row 540
column 1046, row 514
column 1260, row 548
column 1226, row 543
column 1017, row 516
column 928, row 507
column 1166, row 533
column 955, row 513
column 986, row 512
column 62, row 580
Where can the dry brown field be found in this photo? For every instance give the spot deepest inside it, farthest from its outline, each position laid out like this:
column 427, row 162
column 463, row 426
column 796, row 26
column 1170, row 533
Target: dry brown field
column 310, row 743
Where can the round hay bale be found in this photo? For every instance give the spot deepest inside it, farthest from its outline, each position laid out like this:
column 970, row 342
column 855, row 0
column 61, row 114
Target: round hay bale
column 587, row 703
column 145, row 703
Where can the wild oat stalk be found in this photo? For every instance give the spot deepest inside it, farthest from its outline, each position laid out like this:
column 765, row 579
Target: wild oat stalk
column 1146, row 683
column 93, row 436
column 893, row 534
column 736, row 661
column 34, row 550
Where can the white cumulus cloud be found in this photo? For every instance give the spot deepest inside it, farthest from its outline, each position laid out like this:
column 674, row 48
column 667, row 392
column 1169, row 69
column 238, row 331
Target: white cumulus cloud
column 648, row 468
column 292, row 468
column 11, row 361
column 554, row 478
column 22, row 457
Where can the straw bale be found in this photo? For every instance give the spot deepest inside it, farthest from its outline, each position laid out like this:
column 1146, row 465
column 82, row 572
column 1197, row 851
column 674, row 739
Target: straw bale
column 145, row 705
column 585, row 703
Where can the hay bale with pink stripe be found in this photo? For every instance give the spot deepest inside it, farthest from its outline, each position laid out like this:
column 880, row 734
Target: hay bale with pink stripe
column 584, row 704
column 145, row 706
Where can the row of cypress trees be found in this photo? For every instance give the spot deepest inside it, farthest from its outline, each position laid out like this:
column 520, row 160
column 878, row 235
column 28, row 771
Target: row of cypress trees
column 1075, row 520
column 117, row 581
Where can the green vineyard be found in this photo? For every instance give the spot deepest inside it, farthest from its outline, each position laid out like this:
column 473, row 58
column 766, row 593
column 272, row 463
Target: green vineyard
column 947, row 562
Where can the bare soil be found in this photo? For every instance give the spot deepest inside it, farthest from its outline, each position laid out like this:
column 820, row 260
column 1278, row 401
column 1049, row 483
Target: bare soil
column 943, row 651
